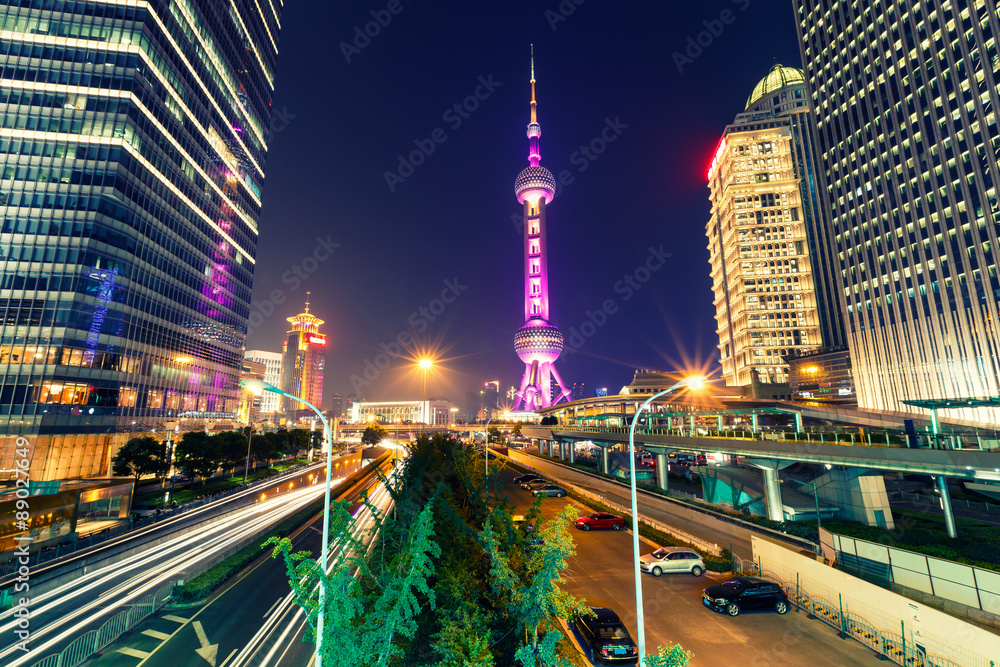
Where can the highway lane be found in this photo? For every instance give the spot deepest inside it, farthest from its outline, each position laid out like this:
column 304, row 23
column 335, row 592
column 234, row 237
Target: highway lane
column 60, row 615
column 602, row 574
column 254, row 621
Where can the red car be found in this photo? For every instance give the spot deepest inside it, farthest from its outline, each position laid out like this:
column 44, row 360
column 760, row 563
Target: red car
column 599, row 520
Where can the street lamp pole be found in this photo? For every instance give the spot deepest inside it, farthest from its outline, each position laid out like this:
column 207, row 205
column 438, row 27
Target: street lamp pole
column 246, row 469
column 264, row 386
column 693, row 382
column 487, row 455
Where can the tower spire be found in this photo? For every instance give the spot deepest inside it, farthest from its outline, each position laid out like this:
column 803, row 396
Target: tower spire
column 534, row 115
column 307, row 301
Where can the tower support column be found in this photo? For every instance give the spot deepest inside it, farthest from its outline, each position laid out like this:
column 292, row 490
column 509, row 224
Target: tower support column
column 571, row 445
column 604, row 461
column 949, row 515
column 661, row 472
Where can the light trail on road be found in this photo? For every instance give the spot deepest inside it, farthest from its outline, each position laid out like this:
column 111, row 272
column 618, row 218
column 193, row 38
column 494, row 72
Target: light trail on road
column 90, row 599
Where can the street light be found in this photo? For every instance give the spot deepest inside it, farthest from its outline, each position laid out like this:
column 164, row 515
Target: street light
column 246, row 469
column 487, row 454
column 693, row 382
column 171, row 428
column 426, row 365
column 260, row 385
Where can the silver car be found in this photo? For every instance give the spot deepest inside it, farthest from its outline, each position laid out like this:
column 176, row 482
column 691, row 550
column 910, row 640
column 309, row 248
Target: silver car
column 672, row 559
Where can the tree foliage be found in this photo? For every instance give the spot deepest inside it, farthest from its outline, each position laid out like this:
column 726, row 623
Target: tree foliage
column 141, row 456
column 198, row 454
column 669, row 656
column 373, row 435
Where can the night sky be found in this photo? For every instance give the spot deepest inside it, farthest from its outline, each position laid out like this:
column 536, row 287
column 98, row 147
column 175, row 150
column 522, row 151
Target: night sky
column 339, row 126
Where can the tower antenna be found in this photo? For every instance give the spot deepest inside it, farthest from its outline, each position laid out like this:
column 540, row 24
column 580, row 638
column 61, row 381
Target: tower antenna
column 534, row 115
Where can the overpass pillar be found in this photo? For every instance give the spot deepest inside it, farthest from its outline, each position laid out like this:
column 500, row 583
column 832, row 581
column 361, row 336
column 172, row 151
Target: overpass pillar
column 753, row 423
column 571, row 445
column 691, row 432
column 949, row 516
column 562, row 450
column 719, row 420
column 772, row 486
column 541, row 443
column 798, row 422
column 604, row 460
column 552, row 447
column 661, row 472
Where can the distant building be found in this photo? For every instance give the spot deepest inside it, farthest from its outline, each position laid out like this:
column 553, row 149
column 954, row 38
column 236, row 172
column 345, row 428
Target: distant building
column 337, row 406
column 303, row 362
column 601, row 391
column 490, row 399
column 579, row 391
column 825, row 376
column 249, row 409
column 270, row 402
column 437, row 411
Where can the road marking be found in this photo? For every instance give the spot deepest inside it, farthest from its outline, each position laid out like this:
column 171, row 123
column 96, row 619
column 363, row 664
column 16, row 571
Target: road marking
column 230, row 657
column 155, row 634
column 132, row 652
column 268, row 612
column 208, row 651
column 175, row 619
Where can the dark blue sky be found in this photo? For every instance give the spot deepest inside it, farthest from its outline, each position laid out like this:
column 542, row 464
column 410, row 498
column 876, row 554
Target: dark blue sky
column 340, row 127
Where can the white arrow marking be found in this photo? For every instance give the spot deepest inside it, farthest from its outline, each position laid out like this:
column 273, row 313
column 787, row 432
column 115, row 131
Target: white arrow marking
column 207, row 651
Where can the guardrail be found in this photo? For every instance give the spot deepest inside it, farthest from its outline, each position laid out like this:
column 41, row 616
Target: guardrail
column 890, row 644
column 91, row 642
column 956, row 503
column 868, row 439
column 67, row 548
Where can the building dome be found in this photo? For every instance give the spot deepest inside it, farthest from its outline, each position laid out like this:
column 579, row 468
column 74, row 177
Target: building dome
column 533, row 183
column 538, row 341
column 779, row 77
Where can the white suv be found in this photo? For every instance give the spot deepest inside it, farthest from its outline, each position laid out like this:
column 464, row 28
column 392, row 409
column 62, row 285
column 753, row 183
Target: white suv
column 672, row 559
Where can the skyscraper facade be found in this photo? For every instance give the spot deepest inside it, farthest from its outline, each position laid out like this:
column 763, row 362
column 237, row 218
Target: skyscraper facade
column 132, row 144
column 303, row 361
column 270, row 402
column 768, row 242
column 906, row 96
column 538, row 343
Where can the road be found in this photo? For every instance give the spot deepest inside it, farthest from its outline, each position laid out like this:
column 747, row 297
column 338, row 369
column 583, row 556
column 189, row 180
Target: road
column 254, row 621
column 694, row 523
column 85, row 603
column 601, row 573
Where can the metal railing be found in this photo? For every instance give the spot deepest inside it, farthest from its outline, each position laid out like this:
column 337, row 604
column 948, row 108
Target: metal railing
column 869, row 439
column 956, row 503
column 91, row 642
column 890, row 644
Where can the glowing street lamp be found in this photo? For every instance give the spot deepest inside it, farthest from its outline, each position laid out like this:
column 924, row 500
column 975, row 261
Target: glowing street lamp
column 258, row 386
column 694, row 382
column 426, row 365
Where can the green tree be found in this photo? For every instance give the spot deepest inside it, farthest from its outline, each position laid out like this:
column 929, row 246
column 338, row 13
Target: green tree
column 299, row 439
column 496, row 436
column 517, row 429
column 669, row 656
column 232, row 446
column 141, row 456
column 373, row 435
column 539, row 601
column 198, row 454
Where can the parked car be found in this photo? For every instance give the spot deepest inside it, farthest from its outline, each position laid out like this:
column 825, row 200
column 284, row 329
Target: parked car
column 526, row 478
column 600, row 520
column 745, row 594
column 534, row 484
column 605, row 638
column 672, row 559
column 549, row 490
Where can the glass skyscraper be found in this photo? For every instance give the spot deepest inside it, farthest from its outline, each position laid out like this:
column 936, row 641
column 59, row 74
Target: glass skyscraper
column 132, row 150
column 768, row 238
column 906, row 96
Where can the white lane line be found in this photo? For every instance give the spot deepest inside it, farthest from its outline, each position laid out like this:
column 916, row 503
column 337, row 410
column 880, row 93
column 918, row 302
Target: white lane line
column 132, row 652
column 229, row 657
column 156, row 634
column 268, row 612
column 175, row 619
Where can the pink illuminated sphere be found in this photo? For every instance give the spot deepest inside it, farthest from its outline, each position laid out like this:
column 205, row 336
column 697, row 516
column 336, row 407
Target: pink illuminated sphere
column 537, row 341
column 534, row 183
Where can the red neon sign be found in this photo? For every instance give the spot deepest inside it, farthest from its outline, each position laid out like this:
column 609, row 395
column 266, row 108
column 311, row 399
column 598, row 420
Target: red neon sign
column 319, row 340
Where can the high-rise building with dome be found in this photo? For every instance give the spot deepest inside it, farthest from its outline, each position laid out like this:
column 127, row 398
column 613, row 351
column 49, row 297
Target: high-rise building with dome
column 768, row 238
column 538, row 343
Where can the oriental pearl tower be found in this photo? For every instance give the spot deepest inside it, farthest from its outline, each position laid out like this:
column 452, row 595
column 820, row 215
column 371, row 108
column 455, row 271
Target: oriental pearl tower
column 538, row 343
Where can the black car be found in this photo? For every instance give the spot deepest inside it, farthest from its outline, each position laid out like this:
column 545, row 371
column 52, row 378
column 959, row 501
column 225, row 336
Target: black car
column 605, row 638
column 523, row 479
column 745, row 594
